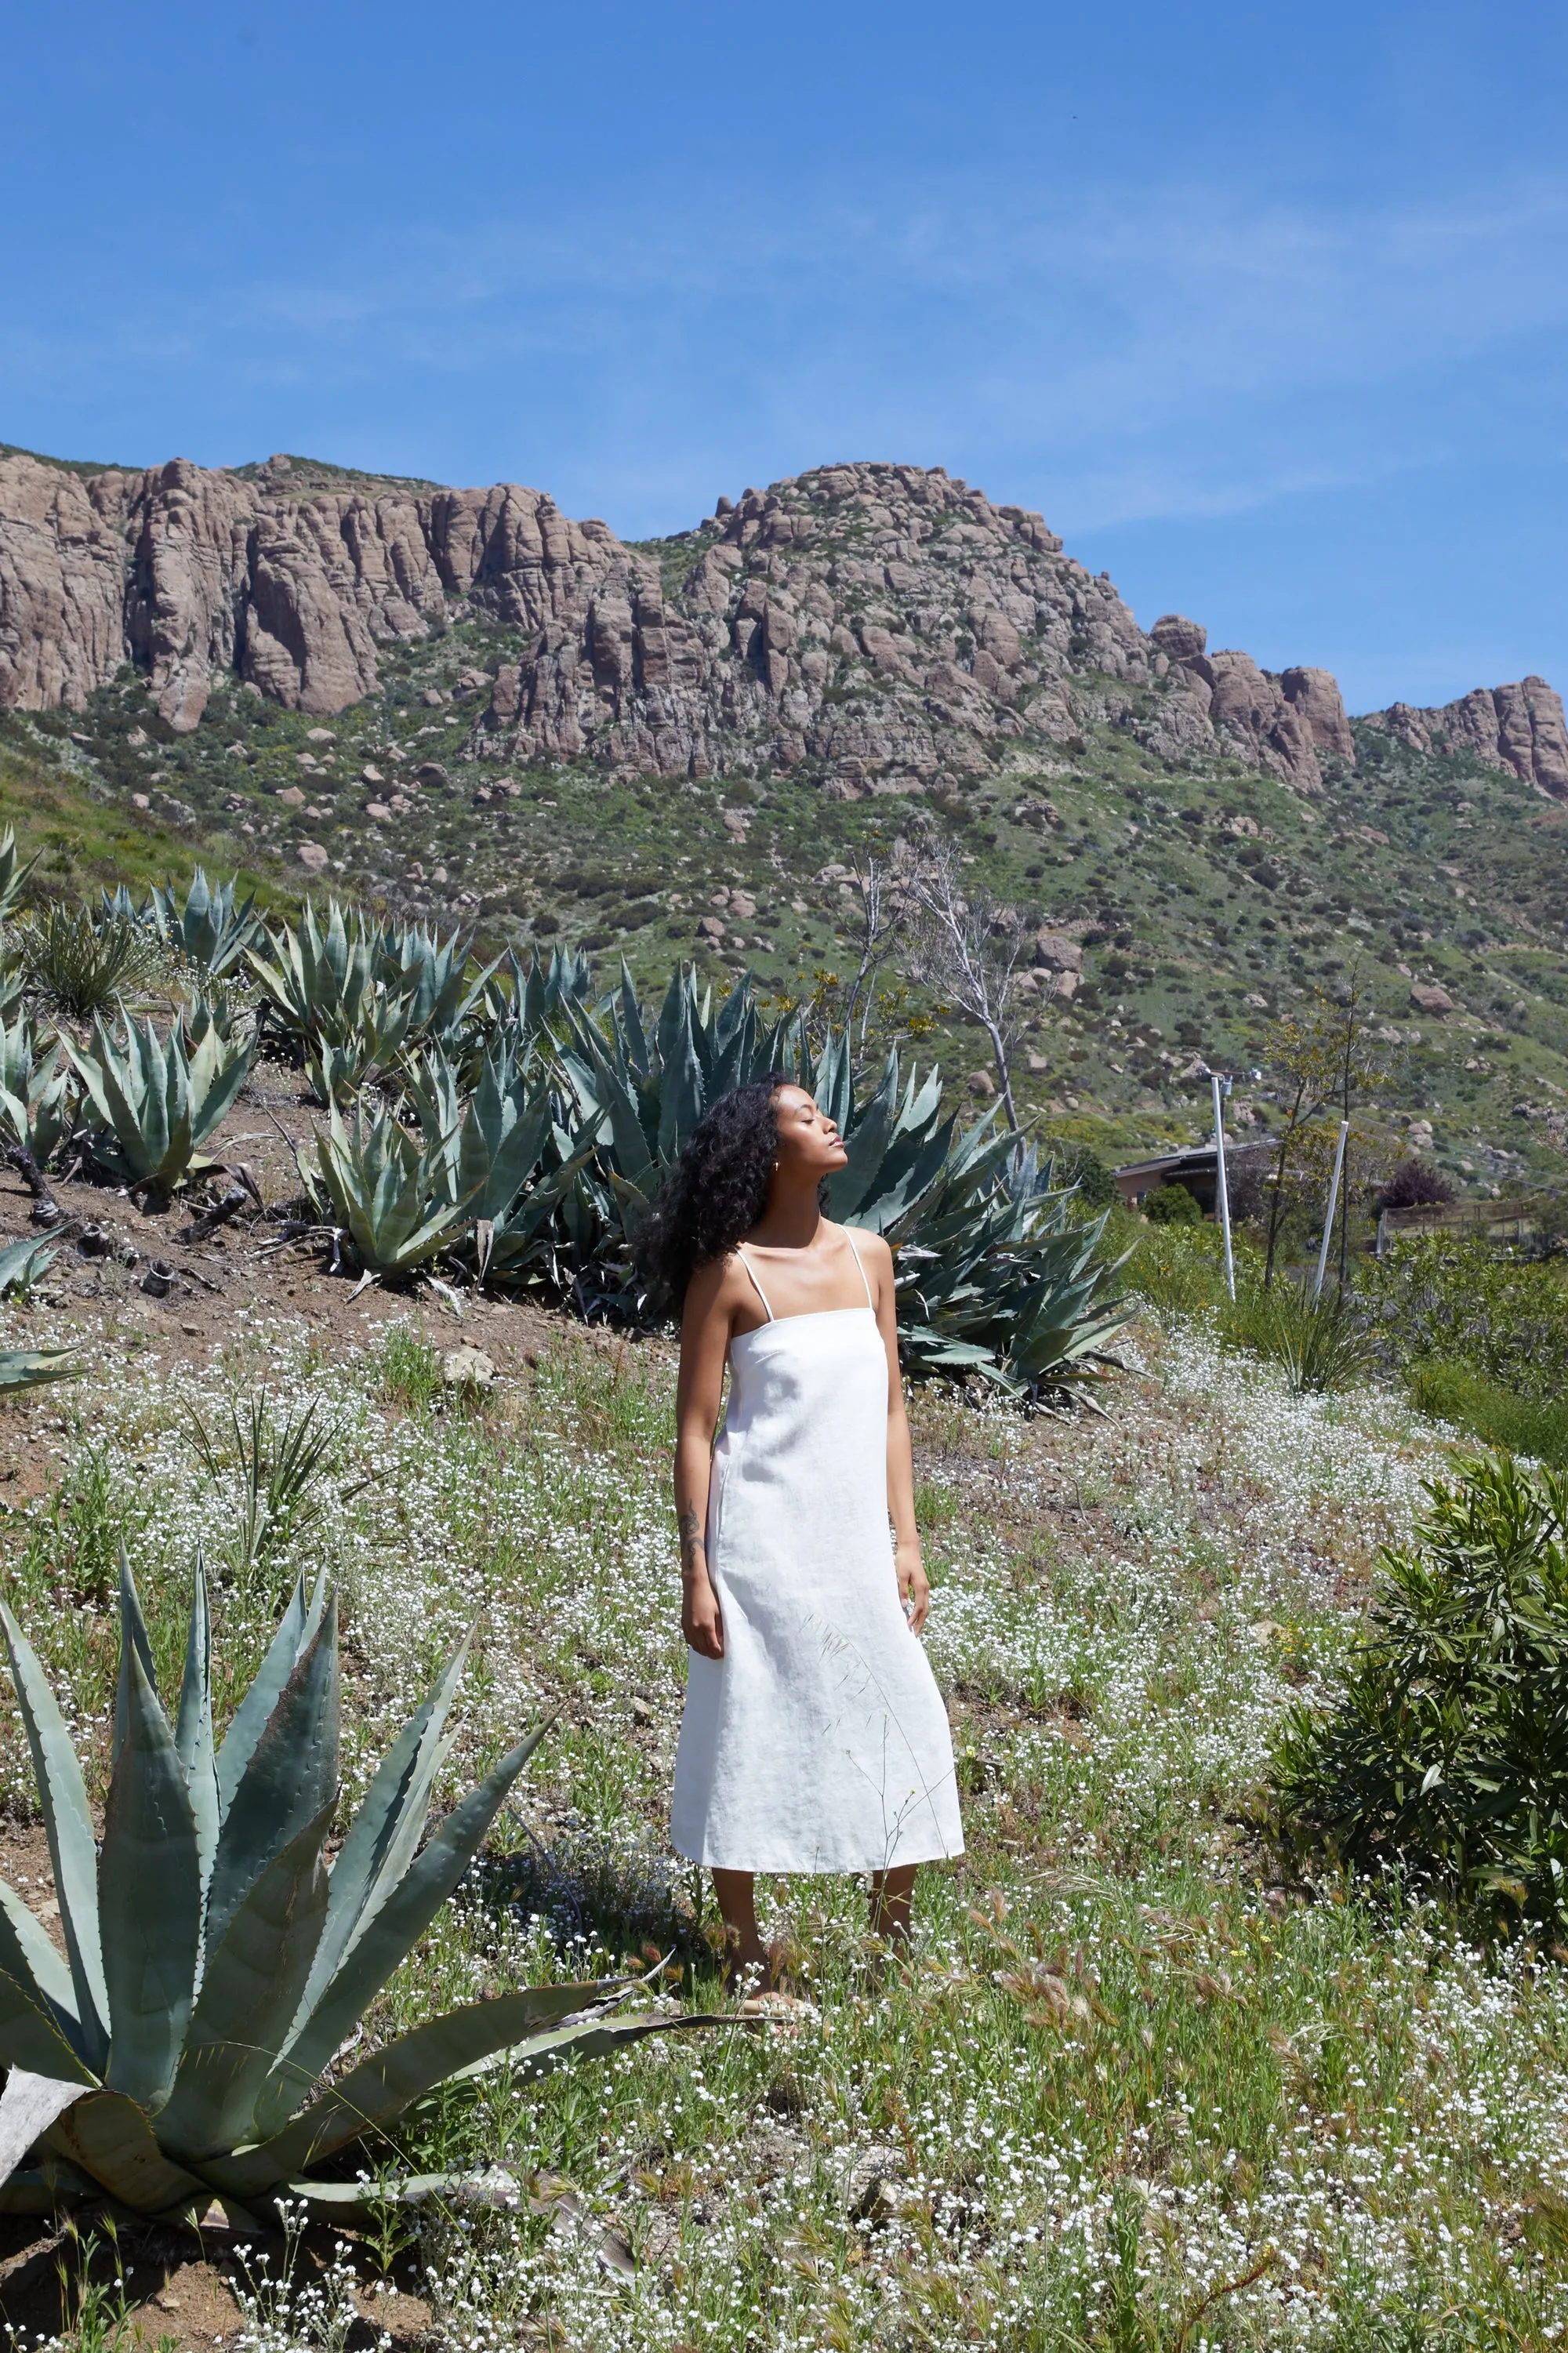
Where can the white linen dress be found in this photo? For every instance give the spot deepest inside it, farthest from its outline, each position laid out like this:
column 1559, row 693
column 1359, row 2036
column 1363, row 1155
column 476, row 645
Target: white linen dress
column 819, row 1741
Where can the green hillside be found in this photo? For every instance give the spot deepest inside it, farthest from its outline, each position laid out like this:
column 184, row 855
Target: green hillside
column 1214, row 897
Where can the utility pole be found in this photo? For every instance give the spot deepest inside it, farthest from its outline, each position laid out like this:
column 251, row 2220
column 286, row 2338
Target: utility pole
column 1221, row 1189
column 1329, row 1214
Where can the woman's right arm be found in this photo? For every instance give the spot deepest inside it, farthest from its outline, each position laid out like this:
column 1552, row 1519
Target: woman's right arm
column 704, row 1342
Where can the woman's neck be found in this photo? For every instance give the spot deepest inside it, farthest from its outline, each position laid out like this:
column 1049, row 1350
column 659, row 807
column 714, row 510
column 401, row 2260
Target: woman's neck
column 792, row 1220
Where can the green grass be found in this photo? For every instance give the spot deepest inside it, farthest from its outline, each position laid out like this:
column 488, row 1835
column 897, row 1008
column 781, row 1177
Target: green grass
column 1487, row 1410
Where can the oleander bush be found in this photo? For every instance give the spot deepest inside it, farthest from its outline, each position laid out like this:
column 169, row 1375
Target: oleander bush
column 1442, row 1751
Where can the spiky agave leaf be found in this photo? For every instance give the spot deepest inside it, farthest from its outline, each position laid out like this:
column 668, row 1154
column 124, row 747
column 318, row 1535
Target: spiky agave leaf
column 29, row 1368
column 14, row 872
column 23, row 1262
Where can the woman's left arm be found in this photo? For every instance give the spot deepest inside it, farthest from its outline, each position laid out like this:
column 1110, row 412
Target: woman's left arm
column 913, row 1585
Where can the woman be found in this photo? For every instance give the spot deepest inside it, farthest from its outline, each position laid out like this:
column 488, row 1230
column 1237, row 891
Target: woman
column 815, row 1737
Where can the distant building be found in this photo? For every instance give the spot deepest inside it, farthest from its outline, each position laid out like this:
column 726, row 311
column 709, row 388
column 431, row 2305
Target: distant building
column 1197, row 1172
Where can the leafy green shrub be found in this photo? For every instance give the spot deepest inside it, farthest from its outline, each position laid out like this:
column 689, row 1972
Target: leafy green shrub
column 1171, row 1205
column 1444, row 1750
column 1488, row 1411
column 214, row 1964
column 83, row 966
column 1463, row 1303
column 1179, row 1270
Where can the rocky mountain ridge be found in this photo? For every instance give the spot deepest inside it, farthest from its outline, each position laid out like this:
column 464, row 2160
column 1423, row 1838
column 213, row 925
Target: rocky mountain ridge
column 874, row 627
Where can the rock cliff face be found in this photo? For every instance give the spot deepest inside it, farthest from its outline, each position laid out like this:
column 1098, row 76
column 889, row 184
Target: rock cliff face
column 877, row 626
column 1519, row 728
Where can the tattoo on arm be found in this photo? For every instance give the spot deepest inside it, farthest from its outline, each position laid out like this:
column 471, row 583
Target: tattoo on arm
column 692, row 1544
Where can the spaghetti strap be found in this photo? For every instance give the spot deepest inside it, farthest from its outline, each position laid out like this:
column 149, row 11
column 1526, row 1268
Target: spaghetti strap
column 756, row 1286
column 864, row 1277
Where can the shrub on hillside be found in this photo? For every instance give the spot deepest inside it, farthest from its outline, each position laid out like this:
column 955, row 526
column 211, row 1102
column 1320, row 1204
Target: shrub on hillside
column 1465, row 1304
column 1415, row 1185
column 1171, row 1205
column 1444, row 1750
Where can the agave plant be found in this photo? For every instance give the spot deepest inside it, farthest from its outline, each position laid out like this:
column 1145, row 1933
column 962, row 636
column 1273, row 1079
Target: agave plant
column 524, row 996
column 509, row 1162
column 80, row 964
column 14, row 872
column 29, row 1368
column 154, row 1102
column 209, row 931
column 997, row 1275
column 639, row 1092
column 323, row 983
column 37, row 1099
column 434, row 975
column 23, row 1262
column 214, row 1964
column 391, row 1197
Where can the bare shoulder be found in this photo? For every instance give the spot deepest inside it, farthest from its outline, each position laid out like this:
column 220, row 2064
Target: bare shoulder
column 713, row 1288
column 872, row 1251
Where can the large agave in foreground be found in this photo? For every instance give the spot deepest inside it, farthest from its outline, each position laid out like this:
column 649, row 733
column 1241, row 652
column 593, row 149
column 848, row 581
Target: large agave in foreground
column 213, row 1965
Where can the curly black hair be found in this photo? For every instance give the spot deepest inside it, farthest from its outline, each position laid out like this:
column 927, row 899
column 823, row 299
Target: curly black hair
column 716, row 1191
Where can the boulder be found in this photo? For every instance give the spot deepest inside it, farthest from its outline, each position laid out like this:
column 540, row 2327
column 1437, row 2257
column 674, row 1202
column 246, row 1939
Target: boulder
column 1430, row 997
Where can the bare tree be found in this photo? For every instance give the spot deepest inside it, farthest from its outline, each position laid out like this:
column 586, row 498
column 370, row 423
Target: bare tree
column 880, row 910
column 967, row 950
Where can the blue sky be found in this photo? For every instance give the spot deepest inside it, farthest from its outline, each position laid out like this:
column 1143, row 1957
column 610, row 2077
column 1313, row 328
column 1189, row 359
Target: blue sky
column 1265, row 307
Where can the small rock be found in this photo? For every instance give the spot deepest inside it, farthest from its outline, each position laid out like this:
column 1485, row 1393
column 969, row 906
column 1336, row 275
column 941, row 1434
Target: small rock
column 311, row 854
column 742, row 905
column 1258, row 1004
column 432, row 698
column 370, row 775
column 1036, row 1066
column 1430, row 997
column 318, row 735
column 468, row 1368
column 710, row 928
column 429, row 772
column 980, row 1083
column 642, row 1709
column 291, row 796
column 140, row 801
column 378, row 812
column 872, row 2188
